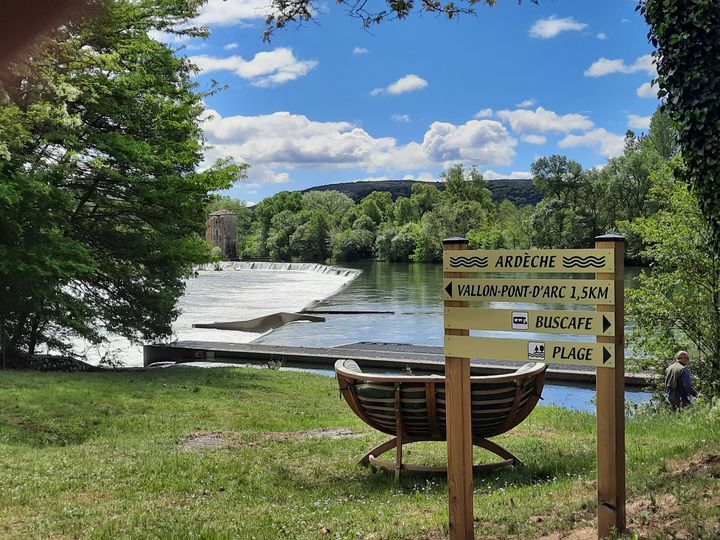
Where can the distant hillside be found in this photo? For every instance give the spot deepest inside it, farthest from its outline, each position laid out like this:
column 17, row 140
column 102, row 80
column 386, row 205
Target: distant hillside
column 519, row 191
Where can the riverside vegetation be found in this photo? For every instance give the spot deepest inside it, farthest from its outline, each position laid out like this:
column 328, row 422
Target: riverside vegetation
column 193, row 453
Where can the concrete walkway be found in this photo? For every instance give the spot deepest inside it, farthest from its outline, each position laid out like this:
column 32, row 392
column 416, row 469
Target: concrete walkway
column 380, row 356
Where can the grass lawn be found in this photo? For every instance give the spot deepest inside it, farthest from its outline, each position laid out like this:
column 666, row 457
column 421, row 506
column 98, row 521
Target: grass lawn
column 241, row 453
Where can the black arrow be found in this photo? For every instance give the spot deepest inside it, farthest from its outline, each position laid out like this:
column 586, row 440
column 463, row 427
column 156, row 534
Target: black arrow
column 606, row 324
column 448, row 289
column 607, row 355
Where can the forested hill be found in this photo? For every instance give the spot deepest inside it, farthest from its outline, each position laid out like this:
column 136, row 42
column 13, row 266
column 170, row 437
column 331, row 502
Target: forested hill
column 518, row 191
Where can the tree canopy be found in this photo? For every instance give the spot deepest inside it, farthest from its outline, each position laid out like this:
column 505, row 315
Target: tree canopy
column 369, row 12
column 686, row 36
column 101, row 203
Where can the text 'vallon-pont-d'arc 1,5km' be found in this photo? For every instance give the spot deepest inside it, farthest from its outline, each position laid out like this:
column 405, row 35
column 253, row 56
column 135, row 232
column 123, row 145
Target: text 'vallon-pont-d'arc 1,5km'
column 598, row 292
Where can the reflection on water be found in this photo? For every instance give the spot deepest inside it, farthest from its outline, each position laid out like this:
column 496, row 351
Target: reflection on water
column 414, row 293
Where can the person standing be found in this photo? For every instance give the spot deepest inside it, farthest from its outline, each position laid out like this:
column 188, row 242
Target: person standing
column 678, row 382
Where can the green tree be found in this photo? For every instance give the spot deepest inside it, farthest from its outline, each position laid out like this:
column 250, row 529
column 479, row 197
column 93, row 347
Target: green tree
column 568, row 215
column 462, row 186
column 311, row 239
column 678, row 303
column 335, row 204
column 101, row 206
column 406, row 210
column 509, row 229
column 426, row 196
column 687, row 47
column 395, row 243
column 265, row 211
column 378, row 206
column 282, row 227
column 222, row 202
column 352, row 245
column 558, row 177
column 663, row 136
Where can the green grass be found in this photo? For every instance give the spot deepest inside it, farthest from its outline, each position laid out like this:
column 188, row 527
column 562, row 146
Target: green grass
column 101, row 455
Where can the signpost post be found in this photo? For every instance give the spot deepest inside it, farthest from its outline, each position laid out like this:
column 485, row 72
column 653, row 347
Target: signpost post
column 606, row 354
column 610, row 389
column 458, row 422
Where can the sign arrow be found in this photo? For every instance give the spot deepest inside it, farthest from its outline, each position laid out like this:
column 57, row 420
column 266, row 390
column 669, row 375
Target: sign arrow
column 606, row 355
column 606, row 324
column 448, row 289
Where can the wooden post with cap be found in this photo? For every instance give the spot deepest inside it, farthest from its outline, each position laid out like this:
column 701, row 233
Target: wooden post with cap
column 458, row 424
column 610, row 389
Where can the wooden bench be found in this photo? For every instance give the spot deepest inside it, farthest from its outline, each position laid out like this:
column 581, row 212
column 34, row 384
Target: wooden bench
column 411, row 408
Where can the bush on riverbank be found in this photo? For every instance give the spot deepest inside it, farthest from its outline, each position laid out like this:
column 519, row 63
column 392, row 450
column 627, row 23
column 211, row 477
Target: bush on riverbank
column 244, row 453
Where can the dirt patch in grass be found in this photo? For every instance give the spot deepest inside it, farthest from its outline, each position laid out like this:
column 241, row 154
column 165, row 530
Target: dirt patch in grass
column 702, row 462
column 661, row 515
column 583, row 533
column 320, row 433
column 218, row 440
column 209, row 440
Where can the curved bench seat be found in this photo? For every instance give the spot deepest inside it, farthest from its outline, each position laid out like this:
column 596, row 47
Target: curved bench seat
column 411, row 408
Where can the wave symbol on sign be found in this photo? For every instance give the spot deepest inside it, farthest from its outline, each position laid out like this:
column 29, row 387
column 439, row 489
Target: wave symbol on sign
column 584, row 262
column 468, row 262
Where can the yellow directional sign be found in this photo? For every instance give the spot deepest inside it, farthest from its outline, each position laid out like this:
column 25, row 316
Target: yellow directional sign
column 589, row 323
column 577, row 353
column 566, row 261
column 554, row 291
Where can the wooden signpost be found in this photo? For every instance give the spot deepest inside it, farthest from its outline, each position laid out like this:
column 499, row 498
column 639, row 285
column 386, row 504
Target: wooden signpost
column 605, row 292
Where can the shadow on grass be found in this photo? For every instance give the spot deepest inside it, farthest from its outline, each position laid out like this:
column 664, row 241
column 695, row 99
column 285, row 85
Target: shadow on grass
column 58, row 409
column 546, row 465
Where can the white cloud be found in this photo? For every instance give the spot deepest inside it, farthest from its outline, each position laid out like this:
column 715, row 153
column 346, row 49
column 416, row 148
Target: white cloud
column 647, row 90
column 484, row 113
column 527, row 103
column 552, row 26
column 408, row 83
column 601, row 35
column 280, row 178
column 423, row 176
column 492, row 175
column 534, row 139
column 360, row 50
column 373, row 179
column 223, row 13
column 265, row 69
column 230, row 46
column 544, row 120
column 638, row 122
column 400, row 117
column 606, row 143
column 484, row 141
column 605, row 66
column 284, row 141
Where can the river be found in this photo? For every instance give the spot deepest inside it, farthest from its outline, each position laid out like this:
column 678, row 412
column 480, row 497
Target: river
column 414, row 293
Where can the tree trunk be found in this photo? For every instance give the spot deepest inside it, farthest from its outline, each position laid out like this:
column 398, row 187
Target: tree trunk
column 32, row 338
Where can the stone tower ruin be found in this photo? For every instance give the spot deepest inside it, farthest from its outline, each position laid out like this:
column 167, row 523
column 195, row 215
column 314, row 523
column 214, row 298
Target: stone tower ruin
column 221, row 231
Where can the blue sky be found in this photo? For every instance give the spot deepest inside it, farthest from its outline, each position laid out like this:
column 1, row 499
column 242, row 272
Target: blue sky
column 332, row 102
